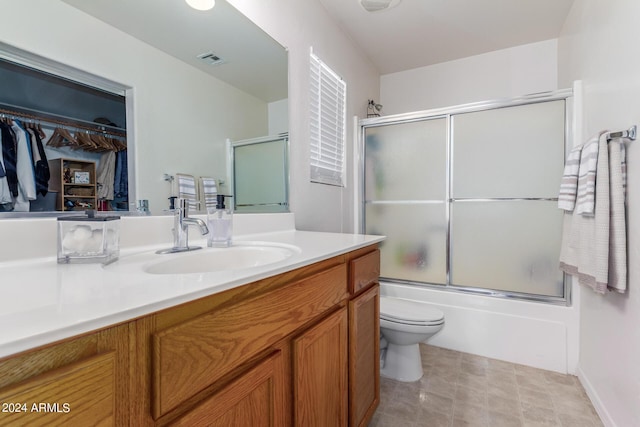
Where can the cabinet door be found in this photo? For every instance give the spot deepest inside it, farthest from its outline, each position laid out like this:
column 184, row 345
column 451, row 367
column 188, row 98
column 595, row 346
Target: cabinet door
column 320, row 372
column 77, row 382
column 78, row 394
column 364, row 356
column 254, row 399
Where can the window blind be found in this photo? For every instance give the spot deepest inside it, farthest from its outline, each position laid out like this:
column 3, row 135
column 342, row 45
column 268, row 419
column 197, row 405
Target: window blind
column 328, row 124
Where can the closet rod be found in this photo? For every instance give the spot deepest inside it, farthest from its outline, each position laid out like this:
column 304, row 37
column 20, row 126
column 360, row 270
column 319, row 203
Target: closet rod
column 629, row 134
column 28, row 113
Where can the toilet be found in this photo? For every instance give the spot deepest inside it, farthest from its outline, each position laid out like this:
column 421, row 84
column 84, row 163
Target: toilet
column 404, row 324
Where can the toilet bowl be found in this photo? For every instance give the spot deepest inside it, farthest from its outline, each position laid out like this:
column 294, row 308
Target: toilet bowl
column 404, row 324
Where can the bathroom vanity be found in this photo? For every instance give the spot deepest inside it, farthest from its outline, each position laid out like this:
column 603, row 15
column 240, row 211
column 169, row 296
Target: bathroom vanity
column 297, row 346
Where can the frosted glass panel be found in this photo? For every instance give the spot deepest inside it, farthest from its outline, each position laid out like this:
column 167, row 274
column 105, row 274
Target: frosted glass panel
column 260, row 177
column 415, row 248
column 512, row 246
column 509, row 152
column 406, row 161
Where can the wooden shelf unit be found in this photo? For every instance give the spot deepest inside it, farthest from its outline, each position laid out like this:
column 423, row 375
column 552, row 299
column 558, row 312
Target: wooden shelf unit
column 82, row 195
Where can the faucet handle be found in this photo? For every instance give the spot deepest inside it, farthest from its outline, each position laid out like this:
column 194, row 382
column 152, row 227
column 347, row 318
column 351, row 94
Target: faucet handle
column 182, row 207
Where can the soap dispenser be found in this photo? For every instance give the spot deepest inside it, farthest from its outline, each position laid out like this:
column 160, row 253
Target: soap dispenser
column 220, row 223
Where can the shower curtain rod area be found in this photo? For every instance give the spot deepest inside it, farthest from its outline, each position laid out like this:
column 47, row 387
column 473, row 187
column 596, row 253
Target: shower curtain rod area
column 629, row 134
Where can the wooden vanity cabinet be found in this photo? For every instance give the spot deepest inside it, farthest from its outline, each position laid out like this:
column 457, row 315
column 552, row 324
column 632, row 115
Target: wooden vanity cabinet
column 194, row 356
column 80, row 381
column 299, row 348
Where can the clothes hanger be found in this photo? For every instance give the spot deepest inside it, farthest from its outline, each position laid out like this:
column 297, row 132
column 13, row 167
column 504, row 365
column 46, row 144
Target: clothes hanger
column 41, row 132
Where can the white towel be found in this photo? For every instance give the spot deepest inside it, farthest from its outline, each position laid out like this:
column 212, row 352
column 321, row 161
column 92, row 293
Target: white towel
column 585, row 241
column 618, row 225
column 569, row 183
column 585, row 201
column 594, row 248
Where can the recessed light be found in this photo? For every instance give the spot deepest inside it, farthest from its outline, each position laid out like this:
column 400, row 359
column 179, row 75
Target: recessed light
column 376, row 5
column 201, row 4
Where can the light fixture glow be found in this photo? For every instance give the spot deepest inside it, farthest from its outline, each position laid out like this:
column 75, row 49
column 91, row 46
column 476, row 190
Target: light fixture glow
column 201, row 4
column 377, row 5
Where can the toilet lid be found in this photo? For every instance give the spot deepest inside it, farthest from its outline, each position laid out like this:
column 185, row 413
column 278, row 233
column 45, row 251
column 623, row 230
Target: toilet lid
column 409, row 312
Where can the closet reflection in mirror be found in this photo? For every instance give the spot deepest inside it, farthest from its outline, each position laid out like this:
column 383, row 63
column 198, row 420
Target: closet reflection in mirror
column 174, row 113
column 62, row 149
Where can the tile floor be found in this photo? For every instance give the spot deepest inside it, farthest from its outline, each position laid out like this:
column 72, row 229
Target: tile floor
column 460, row 389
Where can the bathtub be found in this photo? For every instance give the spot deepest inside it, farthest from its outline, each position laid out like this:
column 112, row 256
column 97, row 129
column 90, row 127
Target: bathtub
column 528, row 333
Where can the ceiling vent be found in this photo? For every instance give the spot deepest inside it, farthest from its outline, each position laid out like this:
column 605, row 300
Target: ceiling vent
column 377, row 5
column 210, row 58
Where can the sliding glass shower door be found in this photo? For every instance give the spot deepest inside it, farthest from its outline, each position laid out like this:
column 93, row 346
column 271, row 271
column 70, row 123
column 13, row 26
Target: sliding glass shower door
column 468, row 198
column 405, row 190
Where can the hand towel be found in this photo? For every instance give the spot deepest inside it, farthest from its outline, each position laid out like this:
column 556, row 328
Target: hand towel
column 209, row 190
column 585, row 201
column 187, row 189
column 569, row 183
column 617, row 226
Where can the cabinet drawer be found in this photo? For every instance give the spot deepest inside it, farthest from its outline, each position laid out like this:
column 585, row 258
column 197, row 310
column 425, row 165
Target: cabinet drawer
column 364, row 270
column 80, row 394
column 192, row 355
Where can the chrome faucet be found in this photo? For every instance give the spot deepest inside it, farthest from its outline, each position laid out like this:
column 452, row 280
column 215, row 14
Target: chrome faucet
column 181, row 223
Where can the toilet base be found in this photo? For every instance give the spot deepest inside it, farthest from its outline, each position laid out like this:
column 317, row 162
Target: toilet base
column 403, row 363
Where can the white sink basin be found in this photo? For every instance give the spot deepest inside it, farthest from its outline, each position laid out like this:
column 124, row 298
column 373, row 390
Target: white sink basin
column 208, row 260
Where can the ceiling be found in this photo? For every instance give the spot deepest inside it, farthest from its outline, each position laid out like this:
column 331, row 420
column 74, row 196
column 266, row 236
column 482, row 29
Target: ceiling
column 413, row 34
column 184, row 33
column 417, row 33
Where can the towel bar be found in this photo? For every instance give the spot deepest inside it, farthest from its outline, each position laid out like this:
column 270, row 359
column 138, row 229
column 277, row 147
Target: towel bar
column 629, row 134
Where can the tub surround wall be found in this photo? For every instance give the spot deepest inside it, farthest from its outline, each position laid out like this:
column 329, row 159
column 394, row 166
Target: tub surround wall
column 598, row 45
column 526, row 333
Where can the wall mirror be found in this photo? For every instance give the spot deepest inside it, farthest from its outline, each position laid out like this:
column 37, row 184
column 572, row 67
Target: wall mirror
column 177, row 119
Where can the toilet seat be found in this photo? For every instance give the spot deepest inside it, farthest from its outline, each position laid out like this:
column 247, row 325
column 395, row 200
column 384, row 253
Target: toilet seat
column 409, row 313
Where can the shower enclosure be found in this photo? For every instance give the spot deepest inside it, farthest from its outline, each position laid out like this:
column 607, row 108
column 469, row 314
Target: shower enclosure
column 467, row 196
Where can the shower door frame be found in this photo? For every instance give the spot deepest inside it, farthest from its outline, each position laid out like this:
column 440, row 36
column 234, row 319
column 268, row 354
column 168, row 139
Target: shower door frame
column 447, row 113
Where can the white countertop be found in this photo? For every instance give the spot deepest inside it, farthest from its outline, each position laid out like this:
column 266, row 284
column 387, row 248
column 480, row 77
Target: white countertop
column 42, row 301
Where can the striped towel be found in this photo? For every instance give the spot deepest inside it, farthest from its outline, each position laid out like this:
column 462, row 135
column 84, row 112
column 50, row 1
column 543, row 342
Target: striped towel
column 585, row 201
column 209, row 191
column 187, row 189
column 569, row 183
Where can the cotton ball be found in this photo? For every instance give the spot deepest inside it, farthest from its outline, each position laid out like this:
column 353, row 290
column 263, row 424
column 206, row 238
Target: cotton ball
column 82, row 233
column 94, row 244
column 68, row 242
column 81, row 236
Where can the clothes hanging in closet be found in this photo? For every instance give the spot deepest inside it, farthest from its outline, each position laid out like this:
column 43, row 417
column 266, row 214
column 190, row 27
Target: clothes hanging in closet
column 24, row 169
column 9, row 159
column 121, row 184
column 40, row 163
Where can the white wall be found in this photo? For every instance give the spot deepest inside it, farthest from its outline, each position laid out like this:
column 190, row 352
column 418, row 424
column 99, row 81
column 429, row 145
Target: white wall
column 175, row 105
column 504, row 73
column 599, row 45
column 299, row 25
column 278, row 117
